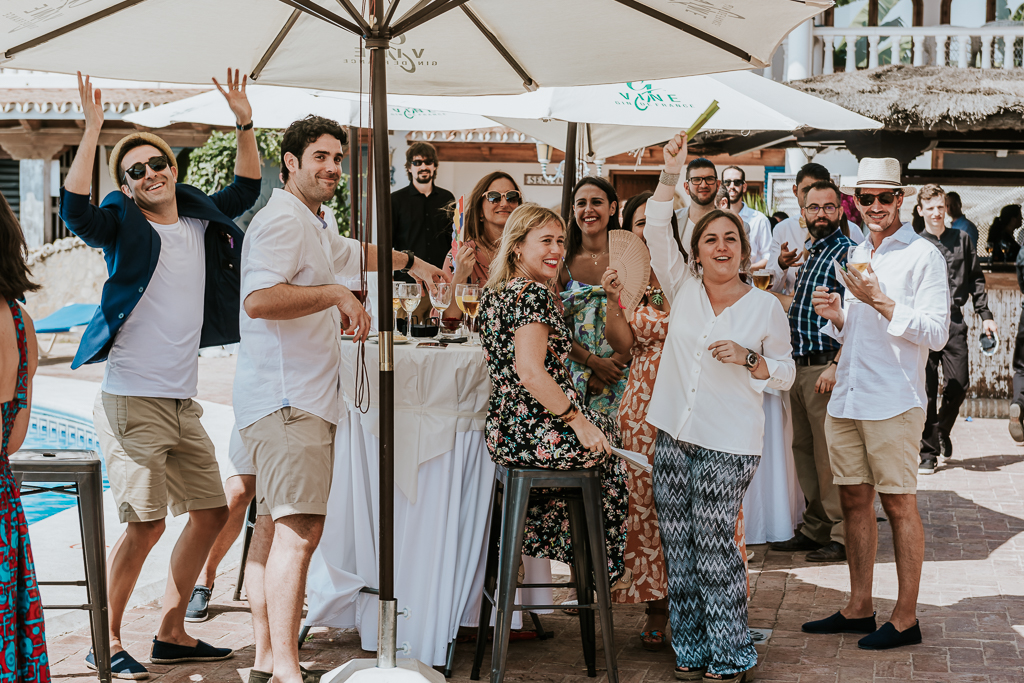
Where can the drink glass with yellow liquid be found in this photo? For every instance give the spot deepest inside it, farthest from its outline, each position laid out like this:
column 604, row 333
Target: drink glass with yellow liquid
column 763, row 279
column 467, row 298
column 396, row 303
column 858, row 259
column 410, row 294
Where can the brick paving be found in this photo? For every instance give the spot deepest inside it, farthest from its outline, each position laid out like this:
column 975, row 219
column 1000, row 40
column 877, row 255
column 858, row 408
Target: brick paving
column 971, row 606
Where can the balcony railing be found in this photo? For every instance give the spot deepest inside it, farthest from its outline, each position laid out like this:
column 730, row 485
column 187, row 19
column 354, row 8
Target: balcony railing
column 989, row 47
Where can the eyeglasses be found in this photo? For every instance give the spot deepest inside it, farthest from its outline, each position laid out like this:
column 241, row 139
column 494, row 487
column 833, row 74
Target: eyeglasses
column 421, row 162
column 138, row 171
column 736, row 182
column 829, row 209
column 512, row 196
column 706, row 180
column 886, row 198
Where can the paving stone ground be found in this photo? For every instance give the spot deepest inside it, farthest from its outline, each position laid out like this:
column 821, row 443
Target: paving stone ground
column 971, row 605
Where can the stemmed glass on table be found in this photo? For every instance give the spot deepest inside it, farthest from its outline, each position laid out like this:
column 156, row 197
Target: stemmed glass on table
column 468, row 299
column 410, row 294
column 440, row 298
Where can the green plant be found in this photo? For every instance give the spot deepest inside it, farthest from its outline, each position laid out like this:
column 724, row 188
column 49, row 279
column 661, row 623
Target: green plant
column 212, row 166
column 756, row 201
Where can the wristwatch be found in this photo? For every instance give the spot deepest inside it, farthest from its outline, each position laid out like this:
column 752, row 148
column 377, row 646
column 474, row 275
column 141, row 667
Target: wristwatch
column 752, row 360
column 408, row 265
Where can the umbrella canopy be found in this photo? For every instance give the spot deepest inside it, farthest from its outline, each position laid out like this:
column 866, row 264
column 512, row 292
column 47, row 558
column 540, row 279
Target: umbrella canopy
column 451, row 47
column 277, row 107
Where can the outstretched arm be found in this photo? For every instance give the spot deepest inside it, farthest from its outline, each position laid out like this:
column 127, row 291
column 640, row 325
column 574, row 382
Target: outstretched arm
column 247, row 160
column 79, row 178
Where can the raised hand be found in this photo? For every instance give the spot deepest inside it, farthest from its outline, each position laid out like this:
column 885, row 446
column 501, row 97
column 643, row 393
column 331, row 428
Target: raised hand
column 236, row 97
column 611, row 284
column 92, row 103
column 675, row 153
column 787, row 257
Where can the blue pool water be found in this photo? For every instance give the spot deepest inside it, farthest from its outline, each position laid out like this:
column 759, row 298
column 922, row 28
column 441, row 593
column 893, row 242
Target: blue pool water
column 52, row 429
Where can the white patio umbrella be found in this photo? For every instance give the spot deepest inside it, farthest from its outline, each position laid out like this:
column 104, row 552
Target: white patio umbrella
column 434, row 47
column 277, row 107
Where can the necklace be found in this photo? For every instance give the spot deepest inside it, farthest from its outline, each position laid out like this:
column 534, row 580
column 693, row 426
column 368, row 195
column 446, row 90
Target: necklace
column 657, row 295
column 595, row 256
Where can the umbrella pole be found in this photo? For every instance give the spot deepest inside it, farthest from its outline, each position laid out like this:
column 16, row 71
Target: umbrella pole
column 386, row 635
column 569, row 170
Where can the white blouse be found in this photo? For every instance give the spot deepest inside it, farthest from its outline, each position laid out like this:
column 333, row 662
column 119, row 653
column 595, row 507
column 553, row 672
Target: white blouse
column 696, row 398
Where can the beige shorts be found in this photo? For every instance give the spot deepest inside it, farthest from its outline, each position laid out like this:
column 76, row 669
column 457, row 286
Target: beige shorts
column 294, row 456
column 883, row 453
column 157, row 455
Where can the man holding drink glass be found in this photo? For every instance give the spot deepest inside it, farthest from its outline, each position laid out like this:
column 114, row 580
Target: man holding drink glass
column 893, row 314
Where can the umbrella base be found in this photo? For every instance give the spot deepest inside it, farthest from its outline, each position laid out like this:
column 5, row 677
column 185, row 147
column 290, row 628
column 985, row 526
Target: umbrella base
column 366, row 671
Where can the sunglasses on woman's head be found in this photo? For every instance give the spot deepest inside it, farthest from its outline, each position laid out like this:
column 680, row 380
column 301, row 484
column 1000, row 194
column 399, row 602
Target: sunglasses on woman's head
column 512, row 196
column 886, row 198
column 138, row 171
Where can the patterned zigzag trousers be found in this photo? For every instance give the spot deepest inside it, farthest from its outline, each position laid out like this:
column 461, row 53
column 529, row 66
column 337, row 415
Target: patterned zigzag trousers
column 698, row 493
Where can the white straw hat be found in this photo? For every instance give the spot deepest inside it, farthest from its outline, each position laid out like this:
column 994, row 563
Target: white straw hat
column 879, row 174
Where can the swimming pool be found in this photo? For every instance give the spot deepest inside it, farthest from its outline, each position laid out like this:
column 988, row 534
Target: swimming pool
column 50, row 428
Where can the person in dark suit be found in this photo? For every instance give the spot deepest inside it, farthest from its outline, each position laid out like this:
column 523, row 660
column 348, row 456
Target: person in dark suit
column 173, row 257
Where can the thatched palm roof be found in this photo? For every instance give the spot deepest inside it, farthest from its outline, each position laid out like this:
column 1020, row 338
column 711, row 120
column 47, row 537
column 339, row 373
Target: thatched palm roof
column 927, row 97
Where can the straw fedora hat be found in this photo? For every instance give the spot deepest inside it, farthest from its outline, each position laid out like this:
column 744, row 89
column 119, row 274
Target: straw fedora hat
column 116, row 154
column 879, row 174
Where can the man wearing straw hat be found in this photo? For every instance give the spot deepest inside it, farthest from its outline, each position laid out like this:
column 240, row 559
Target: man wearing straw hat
column 172, row 253
column 896, row 309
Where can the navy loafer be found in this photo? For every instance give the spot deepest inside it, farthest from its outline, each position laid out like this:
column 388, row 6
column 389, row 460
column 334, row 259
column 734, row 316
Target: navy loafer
column 122, row 665
column 837, row 623
column 888, row 637
column 169, row 653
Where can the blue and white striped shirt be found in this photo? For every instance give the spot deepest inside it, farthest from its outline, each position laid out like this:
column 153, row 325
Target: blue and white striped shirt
column 804, row 324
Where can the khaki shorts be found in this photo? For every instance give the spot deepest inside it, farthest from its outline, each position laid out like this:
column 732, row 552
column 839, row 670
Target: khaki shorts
column 157, row 455
column 883, row 453
column 294, row 456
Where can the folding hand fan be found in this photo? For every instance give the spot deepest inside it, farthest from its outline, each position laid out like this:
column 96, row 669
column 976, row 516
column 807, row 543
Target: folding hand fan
column 628, row 255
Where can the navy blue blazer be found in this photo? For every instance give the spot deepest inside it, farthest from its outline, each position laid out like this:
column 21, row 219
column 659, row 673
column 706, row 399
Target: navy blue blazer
column 131, row 248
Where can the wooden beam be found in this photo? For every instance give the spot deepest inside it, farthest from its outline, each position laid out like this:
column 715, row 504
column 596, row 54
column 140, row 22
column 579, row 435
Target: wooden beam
column 30, row 124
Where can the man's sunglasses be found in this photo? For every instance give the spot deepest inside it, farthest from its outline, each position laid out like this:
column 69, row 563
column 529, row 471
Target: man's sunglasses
column 138, row 171
column 886, row 198
column 421, row 162
column 512, row 196
column 735, row 181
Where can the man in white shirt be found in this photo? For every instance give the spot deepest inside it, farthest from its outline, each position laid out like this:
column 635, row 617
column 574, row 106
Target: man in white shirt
column 286, row 395
column 896, row 310
column 790, row 236
column 759, row 228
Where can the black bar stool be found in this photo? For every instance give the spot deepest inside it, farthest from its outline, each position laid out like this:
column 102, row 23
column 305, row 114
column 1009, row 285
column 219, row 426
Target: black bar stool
column 581, row 490
column 78, row 474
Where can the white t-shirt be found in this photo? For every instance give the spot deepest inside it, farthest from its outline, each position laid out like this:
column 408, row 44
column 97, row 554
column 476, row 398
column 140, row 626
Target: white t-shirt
column 759, row 233
column 156, row 352
column 291, row 362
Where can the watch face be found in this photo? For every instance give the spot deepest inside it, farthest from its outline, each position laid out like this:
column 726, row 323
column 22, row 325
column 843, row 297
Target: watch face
column 751, row 359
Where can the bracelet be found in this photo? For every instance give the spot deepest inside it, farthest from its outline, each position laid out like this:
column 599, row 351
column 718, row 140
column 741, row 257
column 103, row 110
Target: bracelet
column 834, row 362
column 569, row 415
column 587, row 359
column 670, row 179
column 241, row 128
column 620, row 302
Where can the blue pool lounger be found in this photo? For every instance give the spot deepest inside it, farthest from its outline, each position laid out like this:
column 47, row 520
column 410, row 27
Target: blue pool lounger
column 63, row 320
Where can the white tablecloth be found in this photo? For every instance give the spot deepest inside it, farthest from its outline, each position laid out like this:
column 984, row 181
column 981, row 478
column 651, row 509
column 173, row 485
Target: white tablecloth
column 440, row 534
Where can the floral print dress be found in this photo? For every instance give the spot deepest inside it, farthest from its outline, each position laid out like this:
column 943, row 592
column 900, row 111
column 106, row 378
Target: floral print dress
column 23, row 656
column 643, row 555
column 520, row 432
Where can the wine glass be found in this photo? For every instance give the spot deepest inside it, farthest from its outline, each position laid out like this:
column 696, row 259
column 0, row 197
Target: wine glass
column 396, row 302
column 440, row 298
column 469, row 302
column 410, row 293
column 858, row 258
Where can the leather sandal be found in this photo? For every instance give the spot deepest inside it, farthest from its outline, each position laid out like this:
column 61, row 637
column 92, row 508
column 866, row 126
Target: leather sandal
column 741, row 677
column 654, row 640
column 687, row 673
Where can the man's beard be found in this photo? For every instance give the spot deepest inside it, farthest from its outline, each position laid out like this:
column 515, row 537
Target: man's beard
column 422, row 181
column 698, row 202
column 819, row 230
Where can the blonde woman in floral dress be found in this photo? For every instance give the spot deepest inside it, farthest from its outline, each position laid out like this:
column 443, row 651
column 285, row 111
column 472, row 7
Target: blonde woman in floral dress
column 643, row 338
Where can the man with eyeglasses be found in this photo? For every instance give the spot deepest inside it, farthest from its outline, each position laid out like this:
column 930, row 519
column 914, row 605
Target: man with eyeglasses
column 172, row 255
column 759, row 229
column 420, row 220
column 895, row 311
column 789, row 236
column 965, row 281
column 816, row 355
column 702, row 186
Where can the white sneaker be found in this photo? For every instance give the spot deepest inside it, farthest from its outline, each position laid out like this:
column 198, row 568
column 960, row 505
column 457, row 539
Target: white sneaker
column 1016, row 429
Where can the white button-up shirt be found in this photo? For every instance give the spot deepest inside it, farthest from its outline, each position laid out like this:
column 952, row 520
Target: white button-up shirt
column 291, row 362
column 881, row 370
column 759, row 232
column 696, row 398
column 791, row 231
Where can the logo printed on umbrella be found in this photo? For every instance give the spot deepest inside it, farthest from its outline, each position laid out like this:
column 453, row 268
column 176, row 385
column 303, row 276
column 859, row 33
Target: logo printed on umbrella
column 644, row 95
column 406, row 59
column 706, row 10
column 38, row 15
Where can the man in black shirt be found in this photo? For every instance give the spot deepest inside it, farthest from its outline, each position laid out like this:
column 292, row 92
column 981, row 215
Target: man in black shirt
column 420, row 222
column 965, row 279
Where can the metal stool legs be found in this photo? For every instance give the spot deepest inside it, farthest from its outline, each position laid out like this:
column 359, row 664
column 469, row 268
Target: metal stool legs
column 90, row 514
column 250, row 526
column 513, row 526
column 592, row 503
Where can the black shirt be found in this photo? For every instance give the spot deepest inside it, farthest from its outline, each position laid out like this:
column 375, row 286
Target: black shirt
column 963, row 270
column 421, row 223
